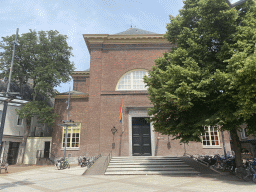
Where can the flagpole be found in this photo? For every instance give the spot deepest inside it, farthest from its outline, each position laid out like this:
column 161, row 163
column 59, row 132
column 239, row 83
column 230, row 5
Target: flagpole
column 121, row 119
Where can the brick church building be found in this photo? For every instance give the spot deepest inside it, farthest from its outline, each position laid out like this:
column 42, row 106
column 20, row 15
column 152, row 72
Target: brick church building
column 117, row 65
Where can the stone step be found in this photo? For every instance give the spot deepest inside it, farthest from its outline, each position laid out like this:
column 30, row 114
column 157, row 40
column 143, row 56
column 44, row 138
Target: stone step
column 149, row 159
column 150, row 169
column 144, row 157
column 146, row 160
column 177, row 173
column 44, row 161
column 146, row 163
column 147, row 166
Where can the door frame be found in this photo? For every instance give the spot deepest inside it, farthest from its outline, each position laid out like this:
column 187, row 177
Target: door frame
column 140, row 112
column 45, row 149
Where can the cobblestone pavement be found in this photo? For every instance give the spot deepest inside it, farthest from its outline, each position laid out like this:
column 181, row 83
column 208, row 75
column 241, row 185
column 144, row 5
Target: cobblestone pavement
column 49, row 179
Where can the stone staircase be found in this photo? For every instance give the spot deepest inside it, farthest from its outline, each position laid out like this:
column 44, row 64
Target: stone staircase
column 44, row 161
column 148, row 165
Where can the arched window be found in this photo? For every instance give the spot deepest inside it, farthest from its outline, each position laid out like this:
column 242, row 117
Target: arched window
column 133, row 80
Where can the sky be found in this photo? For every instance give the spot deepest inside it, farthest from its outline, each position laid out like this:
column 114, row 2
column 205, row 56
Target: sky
column 77, row 17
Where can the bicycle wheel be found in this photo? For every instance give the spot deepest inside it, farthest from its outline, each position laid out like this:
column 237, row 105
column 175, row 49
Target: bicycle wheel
column 58, row 166
column 246, row 175
column 254, row 178
column 64, row 165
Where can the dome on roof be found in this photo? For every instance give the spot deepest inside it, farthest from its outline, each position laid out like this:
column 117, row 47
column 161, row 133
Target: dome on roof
column 134, row 31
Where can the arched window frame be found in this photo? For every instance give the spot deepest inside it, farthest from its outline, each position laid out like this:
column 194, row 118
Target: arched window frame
column 132, row 80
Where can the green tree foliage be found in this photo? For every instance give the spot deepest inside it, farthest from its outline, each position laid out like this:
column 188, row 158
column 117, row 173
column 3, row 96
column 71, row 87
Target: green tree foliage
column 42, row 62
column 43, row 58
column 208, row 78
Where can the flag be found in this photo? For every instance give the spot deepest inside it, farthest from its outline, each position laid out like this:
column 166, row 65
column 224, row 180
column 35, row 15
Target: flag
column 121, row 112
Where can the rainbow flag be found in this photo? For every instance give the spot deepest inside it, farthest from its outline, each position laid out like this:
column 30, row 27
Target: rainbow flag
column 121, row 112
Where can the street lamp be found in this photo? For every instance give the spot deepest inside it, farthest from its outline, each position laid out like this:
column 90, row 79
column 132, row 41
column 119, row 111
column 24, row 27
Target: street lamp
column 8, row 96
column 67, row 124
column 233, row 3
column 113, row 130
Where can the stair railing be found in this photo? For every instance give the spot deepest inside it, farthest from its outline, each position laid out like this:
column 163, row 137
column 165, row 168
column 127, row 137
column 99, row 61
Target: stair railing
column 91, row 163
column 106, row 163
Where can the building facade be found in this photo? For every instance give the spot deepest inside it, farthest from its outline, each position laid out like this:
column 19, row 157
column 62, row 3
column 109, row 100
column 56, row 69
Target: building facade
column 13, row 134
column 118, row 64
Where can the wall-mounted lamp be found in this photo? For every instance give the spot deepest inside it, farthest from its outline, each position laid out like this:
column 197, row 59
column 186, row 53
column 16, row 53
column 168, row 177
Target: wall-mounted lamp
column 113, row 130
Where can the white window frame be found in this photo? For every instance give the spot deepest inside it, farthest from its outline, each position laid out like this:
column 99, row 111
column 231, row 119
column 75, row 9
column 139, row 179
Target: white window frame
column 18, row 117
column 132, row 81
column 78, row 126
column 243, row 133
column 208, row 129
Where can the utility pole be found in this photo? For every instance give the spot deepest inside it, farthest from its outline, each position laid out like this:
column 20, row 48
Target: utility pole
column 7, row 98
column 67, row 124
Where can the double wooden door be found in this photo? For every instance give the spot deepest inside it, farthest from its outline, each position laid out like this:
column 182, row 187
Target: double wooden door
column 141, row 138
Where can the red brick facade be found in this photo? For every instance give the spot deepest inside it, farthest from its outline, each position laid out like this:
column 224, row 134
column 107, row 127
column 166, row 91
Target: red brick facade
column 111, row 57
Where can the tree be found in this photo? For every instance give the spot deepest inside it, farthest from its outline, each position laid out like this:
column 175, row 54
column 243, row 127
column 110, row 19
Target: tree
column 43, row 58
column 208, row 78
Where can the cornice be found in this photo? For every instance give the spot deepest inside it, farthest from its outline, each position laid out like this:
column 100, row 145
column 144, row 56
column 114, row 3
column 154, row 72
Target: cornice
column 80, row 73
column 84, row 96
column 110, row 93
column 98, row 39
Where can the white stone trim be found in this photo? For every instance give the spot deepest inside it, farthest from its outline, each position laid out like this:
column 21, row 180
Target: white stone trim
column 140, row 113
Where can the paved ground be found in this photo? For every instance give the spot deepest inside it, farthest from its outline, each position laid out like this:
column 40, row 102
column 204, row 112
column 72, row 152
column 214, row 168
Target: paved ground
column 50, row 179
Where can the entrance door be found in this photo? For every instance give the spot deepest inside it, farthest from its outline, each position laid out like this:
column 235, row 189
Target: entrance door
column 13, row 153
column 141, row 141
column 46, row 149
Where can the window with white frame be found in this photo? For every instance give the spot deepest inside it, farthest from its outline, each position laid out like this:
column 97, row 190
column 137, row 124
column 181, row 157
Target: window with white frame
column 73, row 137
column 211, row 136
column 244, row 133
column 132, row 80
column 19, row 121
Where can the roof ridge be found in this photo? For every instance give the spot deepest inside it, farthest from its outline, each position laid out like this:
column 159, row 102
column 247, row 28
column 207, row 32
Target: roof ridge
column 134, row 31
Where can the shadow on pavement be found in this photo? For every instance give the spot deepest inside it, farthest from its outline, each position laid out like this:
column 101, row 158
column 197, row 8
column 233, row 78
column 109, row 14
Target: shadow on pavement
column 207, row 172
column 14, row 184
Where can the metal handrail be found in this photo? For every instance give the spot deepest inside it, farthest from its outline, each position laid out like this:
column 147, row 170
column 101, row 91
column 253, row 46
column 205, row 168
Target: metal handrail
column 198, row 159
column 91, row 163
column 106, row 163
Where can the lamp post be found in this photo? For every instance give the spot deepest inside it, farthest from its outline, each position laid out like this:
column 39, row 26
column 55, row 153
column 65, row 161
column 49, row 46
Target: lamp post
column 233, row 3
column 67, row 124
column 113, row 130
column 7, row 97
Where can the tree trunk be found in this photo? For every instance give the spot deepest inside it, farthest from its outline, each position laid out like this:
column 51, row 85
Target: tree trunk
column 237, row 148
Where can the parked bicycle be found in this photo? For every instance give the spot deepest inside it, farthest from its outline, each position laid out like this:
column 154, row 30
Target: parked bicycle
column 223, row 163
column 250, row 170
column 62, row 164
column 83, row 161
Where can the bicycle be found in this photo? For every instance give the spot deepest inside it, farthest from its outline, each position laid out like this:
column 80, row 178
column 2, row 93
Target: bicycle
column 250, row 171
column 62, row 164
